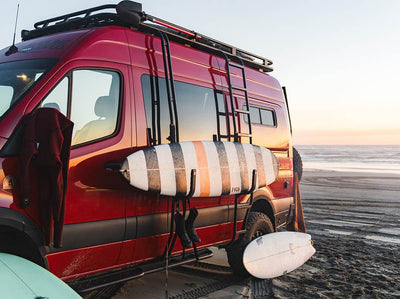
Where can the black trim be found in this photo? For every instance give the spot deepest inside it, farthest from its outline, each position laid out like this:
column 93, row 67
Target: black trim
column 152, row 225
column 241, row 212
column 14, row 219
column 158, row 224
column 21, row 222
column 131, row 228
column 87, row 234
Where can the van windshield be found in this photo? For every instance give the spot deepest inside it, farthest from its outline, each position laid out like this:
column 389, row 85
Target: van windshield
column 17, row 78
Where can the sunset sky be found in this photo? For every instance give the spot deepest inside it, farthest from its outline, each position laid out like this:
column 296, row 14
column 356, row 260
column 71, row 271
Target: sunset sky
column 338, row 59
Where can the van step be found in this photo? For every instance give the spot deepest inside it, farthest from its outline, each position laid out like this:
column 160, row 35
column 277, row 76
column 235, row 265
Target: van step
column 102, row 280
column 96, row 281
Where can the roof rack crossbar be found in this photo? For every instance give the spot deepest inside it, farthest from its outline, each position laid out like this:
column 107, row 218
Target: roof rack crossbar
column 67, row 17
column 202, row 39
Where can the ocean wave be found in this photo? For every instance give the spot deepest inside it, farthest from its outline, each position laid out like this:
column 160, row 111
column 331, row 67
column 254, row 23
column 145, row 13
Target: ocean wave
column 382, row 159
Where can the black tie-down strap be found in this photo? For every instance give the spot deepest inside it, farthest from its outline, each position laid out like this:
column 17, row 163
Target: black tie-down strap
column 184, row 229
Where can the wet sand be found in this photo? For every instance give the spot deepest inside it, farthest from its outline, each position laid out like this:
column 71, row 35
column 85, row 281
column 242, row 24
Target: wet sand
column 354, row 220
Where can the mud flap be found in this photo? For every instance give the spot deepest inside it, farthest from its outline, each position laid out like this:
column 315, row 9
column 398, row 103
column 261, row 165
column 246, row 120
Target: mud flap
column 297, row 224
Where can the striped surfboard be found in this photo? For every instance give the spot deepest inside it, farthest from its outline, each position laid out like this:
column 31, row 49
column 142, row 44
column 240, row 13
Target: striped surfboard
column 222, row 168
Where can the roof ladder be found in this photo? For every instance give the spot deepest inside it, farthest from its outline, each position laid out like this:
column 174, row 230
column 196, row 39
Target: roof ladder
column 235, row 111
column 169, row 81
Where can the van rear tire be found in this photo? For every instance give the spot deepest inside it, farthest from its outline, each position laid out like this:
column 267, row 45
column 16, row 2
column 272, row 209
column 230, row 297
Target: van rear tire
column 257, row 224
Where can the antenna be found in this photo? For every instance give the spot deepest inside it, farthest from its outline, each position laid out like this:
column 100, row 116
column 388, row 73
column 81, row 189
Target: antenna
column 13, row 49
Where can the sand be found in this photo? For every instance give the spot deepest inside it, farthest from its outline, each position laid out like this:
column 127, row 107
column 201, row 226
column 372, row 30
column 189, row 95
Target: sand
column 354, row 220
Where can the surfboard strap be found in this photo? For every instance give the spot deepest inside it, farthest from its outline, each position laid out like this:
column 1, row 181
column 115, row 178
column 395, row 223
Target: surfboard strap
column 181, row 225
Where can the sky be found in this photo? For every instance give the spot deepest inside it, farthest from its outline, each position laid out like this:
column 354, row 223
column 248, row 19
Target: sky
column 339, row 60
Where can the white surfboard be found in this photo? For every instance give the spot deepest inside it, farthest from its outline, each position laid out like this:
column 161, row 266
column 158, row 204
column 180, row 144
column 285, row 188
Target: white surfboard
column 276, row 254
column 222, row 168
column 20, row 278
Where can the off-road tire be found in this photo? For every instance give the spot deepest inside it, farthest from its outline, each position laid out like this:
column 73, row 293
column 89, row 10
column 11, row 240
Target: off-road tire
column 257, row 224
column 297, row 164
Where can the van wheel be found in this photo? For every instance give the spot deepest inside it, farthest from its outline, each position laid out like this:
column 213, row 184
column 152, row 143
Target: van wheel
column 257, row 224
column 297, row 164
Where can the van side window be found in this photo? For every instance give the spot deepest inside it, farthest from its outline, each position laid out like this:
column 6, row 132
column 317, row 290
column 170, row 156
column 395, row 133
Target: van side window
column 196, row 111
column 6, row 95
column 196, row 105
column 94, row 108
column 268, row 117
column 262, row 116
column 156, row 106
column 222, row 116
column 58, row 97
column 255, row 115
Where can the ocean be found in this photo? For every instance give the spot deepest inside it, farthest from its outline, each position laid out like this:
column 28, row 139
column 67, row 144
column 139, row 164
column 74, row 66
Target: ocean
column 357, row 158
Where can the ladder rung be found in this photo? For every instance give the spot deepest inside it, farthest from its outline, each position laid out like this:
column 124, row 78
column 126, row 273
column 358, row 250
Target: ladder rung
column 239, row 66
column 241, row 232
column 244, row 135
column 242, row 111
column 239, row 88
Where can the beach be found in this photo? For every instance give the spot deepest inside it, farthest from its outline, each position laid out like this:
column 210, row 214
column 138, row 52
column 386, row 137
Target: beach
column 354, row 221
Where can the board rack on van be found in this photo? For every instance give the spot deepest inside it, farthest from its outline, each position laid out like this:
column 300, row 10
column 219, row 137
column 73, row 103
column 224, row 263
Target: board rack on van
column 129, row 13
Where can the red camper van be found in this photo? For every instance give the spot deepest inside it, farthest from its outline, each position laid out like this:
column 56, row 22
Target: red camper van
column 128, row 81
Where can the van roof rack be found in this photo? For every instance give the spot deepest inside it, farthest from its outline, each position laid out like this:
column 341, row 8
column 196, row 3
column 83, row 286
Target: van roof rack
column 129, row 13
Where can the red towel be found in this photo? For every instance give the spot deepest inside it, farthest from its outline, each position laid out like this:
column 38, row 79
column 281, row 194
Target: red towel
column 45, row 150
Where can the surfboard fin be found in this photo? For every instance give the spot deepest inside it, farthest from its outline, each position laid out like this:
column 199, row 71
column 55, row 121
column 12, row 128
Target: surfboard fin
column 190, row 227
column 181, row 232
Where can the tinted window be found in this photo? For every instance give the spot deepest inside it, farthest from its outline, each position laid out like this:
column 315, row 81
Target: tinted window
column 267, row 117
column 58, row 97
column 94, row 109
column 255, row 115
column 156, row 106
column 196, row 111
column 17, row 78
column 222, row 119
column 261, row 116
column 6, row 93
column 196, row 108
